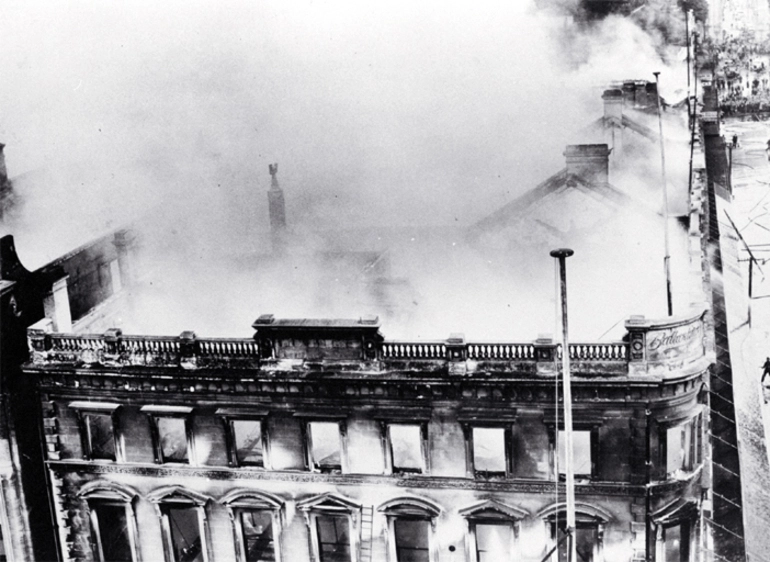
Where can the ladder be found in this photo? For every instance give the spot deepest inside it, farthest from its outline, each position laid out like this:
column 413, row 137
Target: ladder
column 367, row 516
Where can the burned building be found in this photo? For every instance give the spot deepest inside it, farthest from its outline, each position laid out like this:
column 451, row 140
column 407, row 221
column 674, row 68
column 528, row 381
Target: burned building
column 322, row 440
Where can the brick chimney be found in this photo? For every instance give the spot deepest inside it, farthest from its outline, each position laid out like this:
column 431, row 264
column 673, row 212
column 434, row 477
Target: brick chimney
column 277, row 208
column 589, row 161
column 613, row 104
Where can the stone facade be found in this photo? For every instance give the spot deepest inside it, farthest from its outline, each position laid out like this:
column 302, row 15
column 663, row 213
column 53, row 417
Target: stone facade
column 475, row 425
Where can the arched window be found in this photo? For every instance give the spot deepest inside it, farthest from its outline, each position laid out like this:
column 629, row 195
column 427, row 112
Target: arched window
column 675, row 531
column 493, row 528
column 112, row 521
column 590, row 522
column 411, row 529
column 256, row 519
column 333, row 525
column 183, row 522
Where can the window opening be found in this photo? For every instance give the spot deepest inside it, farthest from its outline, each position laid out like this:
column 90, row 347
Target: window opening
column 581, row 453
column 406, row 447
column 412, row 540
column 185, row 531
column 110, row 531
column 333, row 538
column 172, row 439
column 493, row 541
column 489, row 450
column 325, row 447
column 99, row 435
column 257, row 532
column 247, row 438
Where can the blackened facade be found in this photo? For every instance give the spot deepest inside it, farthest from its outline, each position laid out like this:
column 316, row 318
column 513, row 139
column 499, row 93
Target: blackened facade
column 321, row 440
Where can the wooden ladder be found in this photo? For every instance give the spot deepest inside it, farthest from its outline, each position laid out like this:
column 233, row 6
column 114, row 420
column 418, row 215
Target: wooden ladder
column 367, row 516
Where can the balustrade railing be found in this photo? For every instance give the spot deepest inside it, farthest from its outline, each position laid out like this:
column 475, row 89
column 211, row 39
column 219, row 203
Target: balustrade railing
column 501, row 351
column 245, row 352
column 616, row 351
column 413, row 350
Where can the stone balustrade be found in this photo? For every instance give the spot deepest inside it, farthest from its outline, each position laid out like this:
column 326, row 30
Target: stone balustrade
column 665, row 348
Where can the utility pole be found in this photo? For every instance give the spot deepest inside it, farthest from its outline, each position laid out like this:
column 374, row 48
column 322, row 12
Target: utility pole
column 667, row 257
column 561, row 255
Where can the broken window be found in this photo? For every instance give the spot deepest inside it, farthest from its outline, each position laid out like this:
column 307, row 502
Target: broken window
column 683, row 446
column 411, row 539
column 325, row 446
column 256, row 529
column 676, row 543
column 111, row 537
column 172, row 439
column 333, row 538
column 98, row 435
column 586, row 540
column 493, row 541
column 582, row 465
column 489, row 450
column 247, row 442
column 183, row 529
column 406, row 447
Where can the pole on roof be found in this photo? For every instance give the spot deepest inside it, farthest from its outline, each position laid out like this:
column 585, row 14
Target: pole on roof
column 561, row 255
column 667, row 257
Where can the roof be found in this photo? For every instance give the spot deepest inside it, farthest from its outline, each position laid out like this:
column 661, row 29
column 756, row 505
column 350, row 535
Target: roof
column 560, row 182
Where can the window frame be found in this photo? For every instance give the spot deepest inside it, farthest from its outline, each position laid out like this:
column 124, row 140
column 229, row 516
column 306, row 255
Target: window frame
column 695, row 453
column 238, row 501
column 82, row 410
column 470, row 463
column 170, row 497
column 230, row 439
column 390, row 467
column 495, row 513
column 154, row 413
column 327, row 505
column 96, row 526
column 585, row 514
column 410, row 508
column 110, row 493
column 594, row 427
column 307, row 439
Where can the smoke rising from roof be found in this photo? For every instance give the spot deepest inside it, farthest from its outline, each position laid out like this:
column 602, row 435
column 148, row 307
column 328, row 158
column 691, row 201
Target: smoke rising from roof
column 395, row 115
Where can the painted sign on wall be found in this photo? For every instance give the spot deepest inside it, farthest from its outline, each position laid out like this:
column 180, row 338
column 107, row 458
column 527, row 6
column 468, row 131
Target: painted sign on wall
column 677, row 345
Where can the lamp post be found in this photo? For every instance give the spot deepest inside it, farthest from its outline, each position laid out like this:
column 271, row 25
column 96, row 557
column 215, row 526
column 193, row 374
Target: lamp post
column 561, row 255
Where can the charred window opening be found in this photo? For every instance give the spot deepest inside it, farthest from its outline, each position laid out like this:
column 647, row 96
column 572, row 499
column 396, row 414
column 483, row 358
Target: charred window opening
column 582, row 458
column 111, row 532
column 98, row 435
column 406, row 447
column 490, row 451
column 676, row 543
column 324, row 446
column 683, row 446
column 333, row 538
column 587, row 538
column 412, row 539
column 493, row 540
column 247, row 443
column 171, row 439
column 182, row 525
column 256, row 530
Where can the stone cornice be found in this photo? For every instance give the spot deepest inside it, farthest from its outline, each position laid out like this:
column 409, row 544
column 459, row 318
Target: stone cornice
column 414, row 482
column 185, row 386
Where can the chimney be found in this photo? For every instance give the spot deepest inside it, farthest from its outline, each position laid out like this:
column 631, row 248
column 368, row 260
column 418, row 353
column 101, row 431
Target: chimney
column 613, row 104
column 589, row 161
column 3, row 170
column 277, row 208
